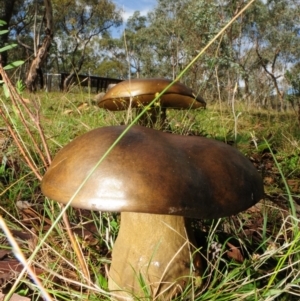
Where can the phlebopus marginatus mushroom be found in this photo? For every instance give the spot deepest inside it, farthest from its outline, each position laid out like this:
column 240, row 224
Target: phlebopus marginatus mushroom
column 138, row 93
column 157, row 181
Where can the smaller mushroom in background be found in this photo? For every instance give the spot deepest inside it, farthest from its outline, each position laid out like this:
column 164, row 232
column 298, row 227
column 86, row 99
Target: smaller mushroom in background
column 158, row 181
column 99, row 96
column 138, row 93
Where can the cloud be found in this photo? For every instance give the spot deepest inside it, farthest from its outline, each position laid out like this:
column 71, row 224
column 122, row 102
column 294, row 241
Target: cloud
column 129, row 7
column 129, row 12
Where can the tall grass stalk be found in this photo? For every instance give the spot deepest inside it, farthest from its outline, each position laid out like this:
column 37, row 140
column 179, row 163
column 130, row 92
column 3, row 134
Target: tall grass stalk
column 272, row 270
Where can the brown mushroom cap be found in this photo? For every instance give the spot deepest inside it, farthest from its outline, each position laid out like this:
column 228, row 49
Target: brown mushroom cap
column 153, row 172
column 143, row 91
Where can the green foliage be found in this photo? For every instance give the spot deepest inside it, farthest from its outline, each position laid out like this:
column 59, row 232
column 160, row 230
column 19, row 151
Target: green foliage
column 3, row 175
column 11, row 65
column 79, row 26
column 290, row 165
column 271, row 252
column 20, row 86
column 175, row 32
column 162, row 43
column 7, row 48
column 103, row 282
column 293, row 78
column 2, row 23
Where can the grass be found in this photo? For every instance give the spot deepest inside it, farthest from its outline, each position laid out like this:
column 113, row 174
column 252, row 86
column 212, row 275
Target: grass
column 265, row 236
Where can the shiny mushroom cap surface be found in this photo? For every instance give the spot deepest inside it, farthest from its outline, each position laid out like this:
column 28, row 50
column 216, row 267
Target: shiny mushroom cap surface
column 153, row 172
column 142, row 91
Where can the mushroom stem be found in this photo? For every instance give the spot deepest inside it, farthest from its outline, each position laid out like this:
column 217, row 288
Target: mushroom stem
column 154, row 254
column 153, row 115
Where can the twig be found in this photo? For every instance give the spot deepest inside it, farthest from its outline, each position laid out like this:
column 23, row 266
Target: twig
column 235, row 116
column 76, row 248
column 20, row 147
column 20, row 256
column 17, row 99
column 20, row 105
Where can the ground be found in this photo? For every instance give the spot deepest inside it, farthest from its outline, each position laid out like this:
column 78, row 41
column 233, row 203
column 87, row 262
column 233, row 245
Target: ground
column 251, row 256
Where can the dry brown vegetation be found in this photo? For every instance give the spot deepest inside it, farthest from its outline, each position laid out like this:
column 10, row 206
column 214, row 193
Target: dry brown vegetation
column 253, row 256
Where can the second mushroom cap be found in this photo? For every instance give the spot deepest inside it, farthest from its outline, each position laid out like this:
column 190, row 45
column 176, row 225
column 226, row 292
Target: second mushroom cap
column 140, row 92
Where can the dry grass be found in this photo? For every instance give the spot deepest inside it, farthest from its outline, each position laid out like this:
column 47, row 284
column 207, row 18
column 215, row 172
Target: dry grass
column 253, row 256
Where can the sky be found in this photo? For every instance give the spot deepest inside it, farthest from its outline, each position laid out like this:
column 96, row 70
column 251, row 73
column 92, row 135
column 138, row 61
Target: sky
column 130, row 6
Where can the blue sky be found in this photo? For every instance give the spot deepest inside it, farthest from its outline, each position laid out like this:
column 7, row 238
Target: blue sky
column 130, row 6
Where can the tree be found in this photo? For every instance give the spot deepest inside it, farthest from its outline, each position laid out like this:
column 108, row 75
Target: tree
column 41, row 51
column 293, row 79
column 135, row 38
column 132, row 52
column 254, row 53
column 273, row 29
column 77, row 27
column 31, row 26
column 167, row 34
column 178, row 31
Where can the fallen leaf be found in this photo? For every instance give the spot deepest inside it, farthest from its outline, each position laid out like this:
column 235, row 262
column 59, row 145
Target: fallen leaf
column 294, row 185
column 67, row 112
column 3, row 253
column 268, row 180
column 82, row 106
column 234, row 253
column 13, row 265
column 26, row 100
column 14, row 297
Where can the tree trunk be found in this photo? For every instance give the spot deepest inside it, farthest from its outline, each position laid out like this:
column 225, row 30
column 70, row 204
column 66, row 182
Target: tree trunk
column 36, row 65
column 271, row 74
column 68, row 81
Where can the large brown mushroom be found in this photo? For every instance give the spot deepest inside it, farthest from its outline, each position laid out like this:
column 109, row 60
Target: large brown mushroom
column 157, row 181
column 138, row 93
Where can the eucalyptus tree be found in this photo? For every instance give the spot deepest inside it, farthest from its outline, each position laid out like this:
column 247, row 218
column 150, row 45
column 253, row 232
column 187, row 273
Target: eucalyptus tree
column 273, row 27
column 166, row 33
column 137, row 45
column 105, row 57
column 179, row 30
column 293, row 79
column 77, row 23
column 40, row 48
column 31, row 26
column 110, row 67
column 113, row 54
column 252, row 53
column 132, row 52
